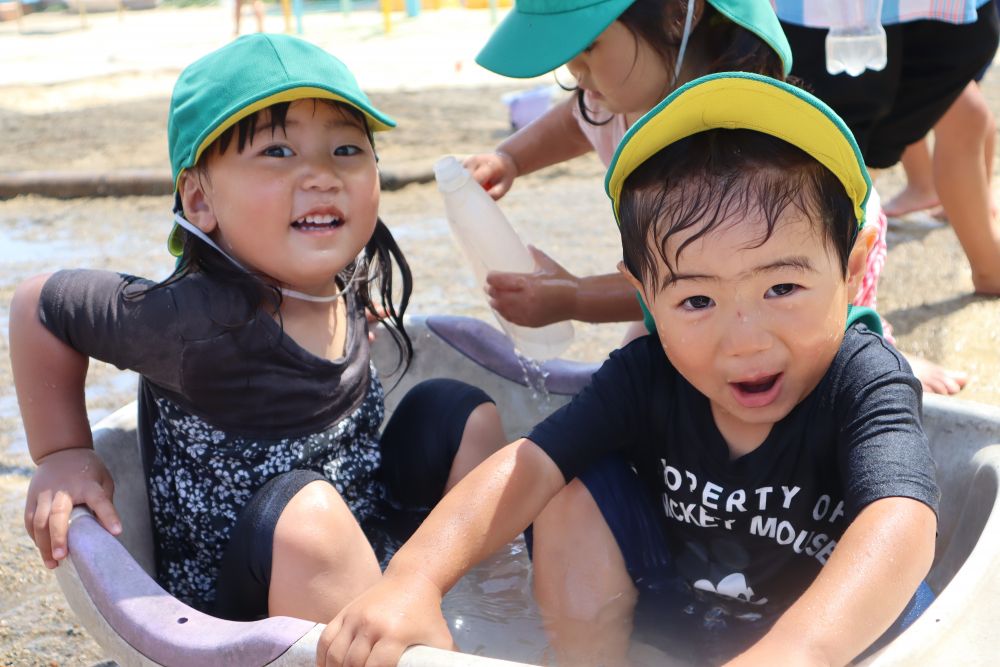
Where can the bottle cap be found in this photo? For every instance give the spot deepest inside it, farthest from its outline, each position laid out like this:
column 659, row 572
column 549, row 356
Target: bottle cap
column 450, row 174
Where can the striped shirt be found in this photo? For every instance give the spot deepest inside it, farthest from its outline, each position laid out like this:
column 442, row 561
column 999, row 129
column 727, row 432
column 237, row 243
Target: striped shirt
column 825, row 14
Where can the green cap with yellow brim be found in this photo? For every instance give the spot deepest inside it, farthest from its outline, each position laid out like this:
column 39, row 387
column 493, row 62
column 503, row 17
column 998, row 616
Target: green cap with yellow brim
column 245, row 76
column 741, row 101
column 537, row 36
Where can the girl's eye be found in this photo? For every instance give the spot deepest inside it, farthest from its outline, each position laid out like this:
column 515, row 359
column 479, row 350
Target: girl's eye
column 590, row 47
column 782, row 289
column 699, row 302
column 277, row 151
column 347, row 150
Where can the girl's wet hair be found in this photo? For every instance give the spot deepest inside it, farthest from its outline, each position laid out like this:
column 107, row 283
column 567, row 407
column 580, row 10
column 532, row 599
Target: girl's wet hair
column 713, row 179
column 728, row 46
column 374, row 267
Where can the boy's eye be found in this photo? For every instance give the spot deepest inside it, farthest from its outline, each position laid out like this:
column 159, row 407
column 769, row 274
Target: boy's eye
column 347, row 150
column 699, row 302
column 277, row 151
column 782, row 289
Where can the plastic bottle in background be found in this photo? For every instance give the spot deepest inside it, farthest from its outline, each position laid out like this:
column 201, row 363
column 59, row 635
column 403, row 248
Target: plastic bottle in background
column 491, row 244
column 856, row 40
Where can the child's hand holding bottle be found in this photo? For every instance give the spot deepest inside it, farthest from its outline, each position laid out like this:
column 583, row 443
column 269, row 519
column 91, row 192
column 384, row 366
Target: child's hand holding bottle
column 65, row 478
column 494, row 171
column 536, row 299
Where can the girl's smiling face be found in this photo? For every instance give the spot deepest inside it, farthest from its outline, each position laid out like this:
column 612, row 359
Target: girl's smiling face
column 623, row 73
column 754, row 327
column 298, row 203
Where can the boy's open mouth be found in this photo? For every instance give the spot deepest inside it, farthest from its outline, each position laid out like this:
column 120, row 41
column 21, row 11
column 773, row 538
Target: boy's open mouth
column 758, row 392
column 758, row 386
column 317, row 223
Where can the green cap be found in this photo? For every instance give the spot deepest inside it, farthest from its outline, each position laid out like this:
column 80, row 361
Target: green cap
column 540, row 35
column 249, row 74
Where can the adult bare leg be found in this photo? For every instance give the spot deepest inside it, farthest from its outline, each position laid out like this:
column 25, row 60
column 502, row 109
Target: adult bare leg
column 963, row 184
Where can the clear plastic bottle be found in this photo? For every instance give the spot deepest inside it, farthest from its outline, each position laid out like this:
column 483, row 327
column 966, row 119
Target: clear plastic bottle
column 491, row 244
column 856, row 40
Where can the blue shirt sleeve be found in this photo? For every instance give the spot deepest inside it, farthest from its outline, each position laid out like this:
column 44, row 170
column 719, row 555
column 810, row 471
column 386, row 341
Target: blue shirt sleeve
column 608, row 415
column 883, row 450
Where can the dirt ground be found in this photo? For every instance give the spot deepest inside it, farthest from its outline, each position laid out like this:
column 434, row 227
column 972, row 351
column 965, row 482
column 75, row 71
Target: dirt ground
column 926, row 292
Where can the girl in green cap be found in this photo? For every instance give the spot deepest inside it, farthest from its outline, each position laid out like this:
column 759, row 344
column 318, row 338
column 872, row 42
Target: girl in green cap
column 259, row 408
column 626, row 56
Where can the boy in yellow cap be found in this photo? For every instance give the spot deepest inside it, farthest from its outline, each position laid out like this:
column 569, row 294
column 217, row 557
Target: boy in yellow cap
column 753, row 481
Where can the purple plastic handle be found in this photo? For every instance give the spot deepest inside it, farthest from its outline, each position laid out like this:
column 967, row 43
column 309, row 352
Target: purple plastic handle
column 158, row 625
column 493, row 351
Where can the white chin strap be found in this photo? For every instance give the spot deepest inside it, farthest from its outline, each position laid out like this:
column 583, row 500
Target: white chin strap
column 181, row 221
column 295, row 294
column 688, row 20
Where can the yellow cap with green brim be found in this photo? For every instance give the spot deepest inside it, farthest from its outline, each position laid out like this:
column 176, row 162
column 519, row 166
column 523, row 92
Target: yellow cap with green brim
column 245, row 76
column 741, row 101
column 537, row 36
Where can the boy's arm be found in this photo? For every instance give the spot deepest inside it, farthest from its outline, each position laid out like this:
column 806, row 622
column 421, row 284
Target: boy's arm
column 489, row 507
column 49, row 378
column 871, row 575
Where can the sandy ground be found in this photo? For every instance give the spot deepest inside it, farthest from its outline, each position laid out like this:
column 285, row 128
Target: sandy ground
column 97, row 100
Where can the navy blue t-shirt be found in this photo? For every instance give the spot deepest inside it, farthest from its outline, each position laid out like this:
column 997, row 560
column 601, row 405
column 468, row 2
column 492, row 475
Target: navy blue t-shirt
column 756, row 529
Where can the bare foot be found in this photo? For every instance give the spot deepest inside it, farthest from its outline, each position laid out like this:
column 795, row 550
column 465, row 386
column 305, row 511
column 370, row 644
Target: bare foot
column 937, row 379
column 910, row 200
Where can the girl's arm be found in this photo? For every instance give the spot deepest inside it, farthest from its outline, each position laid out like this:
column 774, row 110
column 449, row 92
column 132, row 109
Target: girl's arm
column 553, row 137
column 49, row 378
column 489, row 507
column 553, row 294
column 871, row 575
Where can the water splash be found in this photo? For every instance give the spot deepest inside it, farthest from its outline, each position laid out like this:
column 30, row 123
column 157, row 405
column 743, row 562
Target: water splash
column 535, row 377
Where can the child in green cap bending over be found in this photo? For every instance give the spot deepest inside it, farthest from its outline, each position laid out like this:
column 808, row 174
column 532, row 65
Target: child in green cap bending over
column 753, row 482
column 259, row 409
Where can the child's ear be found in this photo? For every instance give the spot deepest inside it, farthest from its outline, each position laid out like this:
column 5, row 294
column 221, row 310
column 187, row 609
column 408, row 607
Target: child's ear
column 196, row 202
column 857, row 261
column 632, row 280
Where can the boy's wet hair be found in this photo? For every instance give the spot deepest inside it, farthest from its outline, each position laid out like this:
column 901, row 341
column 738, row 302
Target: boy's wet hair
column 729, row 47
column 712, row 179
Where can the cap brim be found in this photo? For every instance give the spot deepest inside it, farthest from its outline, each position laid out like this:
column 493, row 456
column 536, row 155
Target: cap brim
column 737, row 100
column 758, row 17
column 528, row 45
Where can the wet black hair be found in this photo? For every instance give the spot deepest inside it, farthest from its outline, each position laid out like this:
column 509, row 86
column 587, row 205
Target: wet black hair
column 381, row 260
column 728, row 46
column 709, row 180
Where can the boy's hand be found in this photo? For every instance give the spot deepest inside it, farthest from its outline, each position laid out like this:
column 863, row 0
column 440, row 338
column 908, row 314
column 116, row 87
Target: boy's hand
column 494, row 171
column 63, row 479
column 534, row 299
column 374, row 630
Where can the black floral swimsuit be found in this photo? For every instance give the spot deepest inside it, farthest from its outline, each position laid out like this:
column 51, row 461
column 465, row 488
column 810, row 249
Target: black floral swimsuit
column 201, row 477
